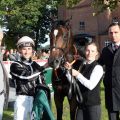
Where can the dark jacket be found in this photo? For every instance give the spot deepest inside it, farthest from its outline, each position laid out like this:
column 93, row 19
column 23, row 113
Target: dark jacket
column 26, row 75
column 111, row 60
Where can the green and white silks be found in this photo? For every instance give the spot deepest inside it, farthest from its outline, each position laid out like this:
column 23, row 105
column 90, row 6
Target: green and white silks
column 41, row 107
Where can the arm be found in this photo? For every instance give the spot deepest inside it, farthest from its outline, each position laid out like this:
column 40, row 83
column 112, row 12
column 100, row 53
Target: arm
column 22, row 73
column 95, row 77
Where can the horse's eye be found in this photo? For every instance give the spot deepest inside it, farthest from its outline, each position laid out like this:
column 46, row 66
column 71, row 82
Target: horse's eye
column 65, row 36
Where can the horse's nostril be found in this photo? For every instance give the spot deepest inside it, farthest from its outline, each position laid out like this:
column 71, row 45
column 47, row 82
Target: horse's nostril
column 57, row 61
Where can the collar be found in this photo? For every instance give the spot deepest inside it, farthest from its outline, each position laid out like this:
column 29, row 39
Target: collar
column 26, row 61
column 88, row 62
column 114, row 44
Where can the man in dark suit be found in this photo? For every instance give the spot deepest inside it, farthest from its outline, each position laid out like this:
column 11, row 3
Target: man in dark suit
column 4, row 84
column 110, row 58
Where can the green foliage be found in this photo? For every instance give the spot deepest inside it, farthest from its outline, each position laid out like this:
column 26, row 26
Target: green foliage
column 101, row 5
column 71, row 3
column 22, row 17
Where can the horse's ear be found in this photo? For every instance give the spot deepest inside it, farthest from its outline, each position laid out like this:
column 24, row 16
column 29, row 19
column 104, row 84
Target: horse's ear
column 67, row 22
column 75, row 49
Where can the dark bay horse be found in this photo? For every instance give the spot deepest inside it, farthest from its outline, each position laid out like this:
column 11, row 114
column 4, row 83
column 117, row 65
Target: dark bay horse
column 62, row 49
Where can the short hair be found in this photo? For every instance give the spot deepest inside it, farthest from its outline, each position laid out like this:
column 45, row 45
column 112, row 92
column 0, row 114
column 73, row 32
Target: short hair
column 114, row 24
column 95, row 43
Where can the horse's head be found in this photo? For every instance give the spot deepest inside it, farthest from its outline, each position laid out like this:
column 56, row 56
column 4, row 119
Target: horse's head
column 61, row 44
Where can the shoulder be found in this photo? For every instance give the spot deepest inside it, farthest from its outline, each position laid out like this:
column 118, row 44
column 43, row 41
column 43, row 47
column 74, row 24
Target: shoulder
column 35, row 63
column 107, row 48
column 16, row 64
column 98, row 68
column 37, row 66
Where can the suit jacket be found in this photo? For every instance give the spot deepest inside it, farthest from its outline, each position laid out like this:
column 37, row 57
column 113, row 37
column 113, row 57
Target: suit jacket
column 111, row 80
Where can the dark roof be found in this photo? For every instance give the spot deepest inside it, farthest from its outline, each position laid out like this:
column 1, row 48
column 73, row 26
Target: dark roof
column 82, row 39
column 105, row 32
column 84, row 35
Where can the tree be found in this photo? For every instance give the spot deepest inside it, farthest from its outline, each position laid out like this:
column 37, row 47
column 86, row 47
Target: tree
column 99, row 5
column 22, row 17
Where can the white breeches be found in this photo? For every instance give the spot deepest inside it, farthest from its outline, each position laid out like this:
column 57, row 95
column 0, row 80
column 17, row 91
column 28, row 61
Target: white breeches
column 23, row 107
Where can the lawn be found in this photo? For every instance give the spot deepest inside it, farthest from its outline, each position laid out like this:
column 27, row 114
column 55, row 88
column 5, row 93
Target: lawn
column 8, row 114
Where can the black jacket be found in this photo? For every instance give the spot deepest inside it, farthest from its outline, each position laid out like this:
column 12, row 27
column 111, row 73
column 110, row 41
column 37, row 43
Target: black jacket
column 111, row 60
column 26, row 75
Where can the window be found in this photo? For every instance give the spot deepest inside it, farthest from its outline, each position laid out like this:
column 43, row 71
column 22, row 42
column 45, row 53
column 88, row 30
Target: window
column 82, row 25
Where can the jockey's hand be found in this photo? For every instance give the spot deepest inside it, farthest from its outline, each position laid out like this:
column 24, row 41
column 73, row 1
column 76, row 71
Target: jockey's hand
column 75, row 72
column 68, row 65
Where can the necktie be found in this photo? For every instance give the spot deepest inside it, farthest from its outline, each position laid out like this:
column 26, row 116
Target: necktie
column 116, row 47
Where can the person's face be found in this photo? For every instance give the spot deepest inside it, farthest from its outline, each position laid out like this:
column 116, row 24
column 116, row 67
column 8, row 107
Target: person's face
column 91, row 52
column 114, row 34
column 3, row 51
column 26, row 52
column 11, row 51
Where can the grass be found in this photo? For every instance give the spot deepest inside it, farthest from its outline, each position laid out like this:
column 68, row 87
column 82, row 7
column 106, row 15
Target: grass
column 8, row 114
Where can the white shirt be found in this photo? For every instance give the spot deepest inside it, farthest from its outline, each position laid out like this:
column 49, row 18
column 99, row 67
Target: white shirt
column 95, row 77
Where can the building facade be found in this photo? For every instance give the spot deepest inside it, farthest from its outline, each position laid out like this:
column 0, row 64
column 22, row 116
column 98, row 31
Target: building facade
column 83, row 20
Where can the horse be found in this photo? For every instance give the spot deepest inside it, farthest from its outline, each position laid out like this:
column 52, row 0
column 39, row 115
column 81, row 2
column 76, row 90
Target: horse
column 62, row 49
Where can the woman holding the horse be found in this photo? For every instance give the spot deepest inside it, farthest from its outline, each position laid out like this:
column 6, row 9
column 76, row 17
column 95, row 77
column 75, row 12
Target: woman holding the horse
column 89, row 82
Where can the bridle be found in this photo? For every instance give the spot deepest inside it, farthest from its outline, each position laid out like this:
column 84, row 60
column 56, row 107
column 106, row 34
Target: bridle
column 64, row 49
column 66, row 37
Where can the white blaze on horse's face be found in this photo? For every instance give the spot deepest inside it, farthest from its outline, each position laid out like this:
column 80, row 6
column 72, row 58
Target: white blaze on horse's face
column 55, row 32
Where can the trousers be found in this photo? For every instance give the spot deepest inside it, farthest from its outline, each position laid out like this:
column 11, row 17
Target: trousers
column 89, row 113
column 23, row 107
column 113, row 115
column 1, row 105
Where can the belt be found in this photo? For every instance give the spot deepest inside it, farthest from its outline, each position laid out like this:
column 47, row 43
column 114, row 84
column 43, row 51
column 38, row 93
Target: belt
column 1, row 92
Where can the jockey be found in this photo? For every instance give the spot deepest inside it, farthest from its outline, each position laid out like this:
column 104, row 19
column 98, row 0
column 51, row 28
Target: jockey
column 4, row 84
column 26, row 74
